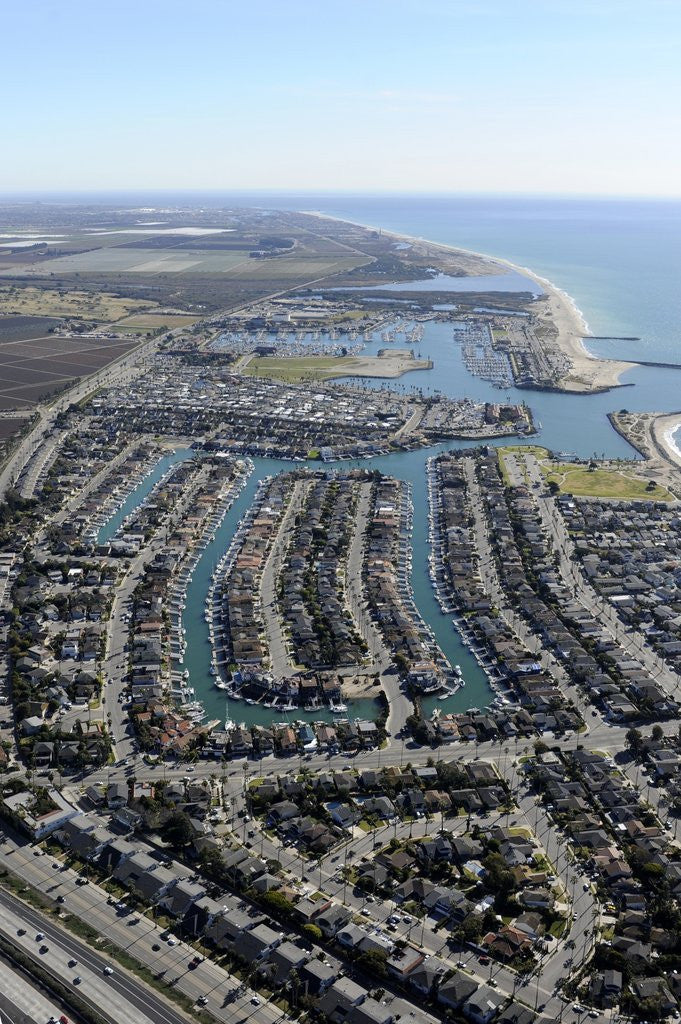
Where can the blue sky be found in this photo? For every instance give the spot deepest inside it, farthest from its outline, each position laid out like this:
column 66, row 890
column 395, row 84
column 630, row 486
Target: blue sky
column 563, row 96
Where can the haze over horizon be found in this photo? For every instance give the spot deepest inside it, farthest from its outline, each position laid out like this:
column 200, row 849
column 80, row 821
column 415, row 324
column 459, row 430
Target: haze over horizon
column 389, row 96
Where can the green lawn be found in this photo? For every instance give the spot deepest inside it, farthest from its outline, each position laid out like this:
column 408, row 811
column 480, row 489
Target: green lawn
column 299, row 368
column 603, row 483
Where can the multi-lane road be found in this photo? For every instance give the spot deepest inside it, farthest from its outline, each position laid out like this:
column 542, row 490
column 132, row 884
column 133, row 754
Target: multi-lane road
column 126, row 997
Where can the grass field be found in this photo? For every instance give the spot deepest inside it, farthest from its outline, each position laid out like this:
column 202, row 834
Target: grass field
column 99, row 306
column 152, row 321
column 603, row 483
column 300, row 367
column 291, row 268
column 524, row 449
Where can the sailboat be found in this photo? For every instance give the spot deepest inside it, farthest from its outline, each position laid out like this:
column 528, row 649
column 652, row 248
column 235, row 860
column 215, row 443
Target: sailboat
column 229, row 724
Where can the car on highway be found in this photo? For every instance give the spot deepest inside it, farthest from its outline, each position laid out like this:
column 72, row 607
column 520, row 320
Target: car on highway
column 156, row 947
column 21, row 931
column 108, row 970
column 39, row 937
column 72, row 962
column 202, row 1000
column 43, row 948
column 77, row 980
column 255, row 1000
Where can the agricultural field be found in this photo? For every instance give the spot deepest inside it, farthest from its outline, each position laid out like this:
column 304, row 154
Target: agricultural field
column 122, row 260
column 11, row 425
column 140, row 322
column 34, row 369
column 101, row 307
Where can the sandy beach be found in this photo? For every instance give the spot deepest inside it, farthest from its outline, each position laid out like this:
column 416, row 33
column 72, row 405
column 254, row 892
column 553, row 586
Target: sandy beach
column 588, row 372
column 663, row 429
column 557, row 311
column 393, row 363
column 652, row 435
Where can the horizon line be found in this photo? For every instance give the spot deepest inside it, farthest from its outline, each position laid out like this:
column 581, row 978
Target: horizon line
column 36, row 193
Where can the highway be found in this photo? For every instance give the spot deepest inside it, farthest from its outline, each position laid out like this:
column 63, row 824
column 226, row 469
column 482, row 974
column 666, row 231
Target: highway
column 118, row 997
column 133, row 933
column 22, row 1002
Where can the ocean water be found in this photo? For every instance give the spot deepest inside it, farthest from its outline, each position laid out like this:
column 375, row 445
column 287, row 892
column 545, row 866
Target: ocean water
column 620, row 261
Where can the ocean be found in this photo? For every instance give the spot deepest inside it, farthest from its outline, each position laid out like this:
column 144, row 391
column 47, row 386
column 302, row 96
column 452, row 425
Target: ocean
column 621, row 263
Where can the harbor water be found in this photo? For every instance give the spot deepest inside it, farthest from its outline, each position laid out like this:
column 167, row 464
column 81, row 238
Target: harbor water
column 619, row 260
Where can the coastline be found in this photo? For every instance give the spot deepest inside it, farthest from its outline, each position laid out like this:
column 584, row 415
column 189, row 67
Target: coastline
column 589, row 373
column 651, row 434
column 663, row 429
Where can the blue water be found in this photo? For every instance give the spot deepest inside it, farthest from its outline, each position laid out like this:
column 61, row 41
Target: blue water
column 510, row 281
column 620, row 260
column 139, row 493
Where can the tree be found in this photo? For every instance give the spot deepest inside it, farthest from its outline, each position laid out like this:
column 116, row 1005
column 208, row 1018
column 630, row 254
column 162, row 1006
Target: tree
column 212, row 863
column 373, row 962
column 313, row 932
column 177, row 830
column 276, row 901
column 657, row 733
column 634, row 740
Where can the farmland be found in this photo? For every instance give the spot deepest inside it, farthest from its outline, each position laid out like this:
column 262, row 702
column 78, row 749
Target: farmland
column 34, row 369
column 122, row 260
column 140, row 322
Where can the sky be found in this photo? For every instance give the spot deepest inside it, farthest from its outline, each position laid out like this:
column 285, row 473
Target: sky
column 423, row 96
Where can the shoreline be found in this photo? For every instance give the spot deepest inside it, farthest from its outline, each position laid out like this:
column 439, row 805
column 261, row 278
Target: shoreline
column 651, row 434
column 589, row 373
column 662, row 429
